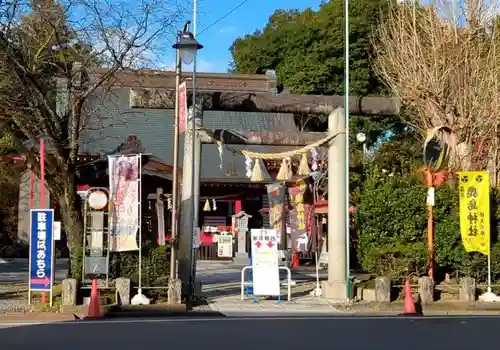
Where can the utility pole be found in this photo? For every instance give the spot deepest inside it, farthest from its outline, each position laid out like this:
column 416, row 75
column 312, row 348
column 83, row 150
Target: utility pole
column 174, row 284
column 345, row 126
column 196, row 146
column 186, row 49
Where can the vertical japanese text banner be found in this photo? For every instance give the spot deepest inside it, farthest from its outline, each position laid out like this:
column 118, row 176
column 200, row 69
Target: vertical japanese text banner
column 41, row 262
column 474, row 190
column 297, row 218
column 277, row 200
column 124, row 175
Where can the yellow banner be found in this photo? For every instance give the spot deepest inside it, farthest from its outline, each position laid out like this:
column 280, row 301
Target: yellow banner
column 474, row 190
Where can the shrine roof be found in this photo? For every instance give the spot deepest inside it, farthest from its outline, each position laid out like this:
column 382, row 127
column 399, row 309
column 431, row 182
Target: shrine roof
column 155, row 79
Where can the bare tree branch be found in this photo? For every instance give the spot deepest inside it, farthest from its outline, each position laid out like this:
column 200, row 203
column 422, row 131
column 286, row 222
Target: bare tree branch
column 447, row 72
column 46, row 48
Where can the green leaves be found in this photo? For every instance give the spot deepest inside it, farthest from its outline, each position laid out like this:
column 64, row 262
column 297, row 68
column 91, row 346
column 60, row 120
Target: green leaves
column 307, row 48
column 392, row 229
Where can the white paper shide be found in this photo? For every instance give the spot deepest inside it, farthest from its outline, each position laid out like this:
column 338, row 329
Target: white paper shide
column 266, row 277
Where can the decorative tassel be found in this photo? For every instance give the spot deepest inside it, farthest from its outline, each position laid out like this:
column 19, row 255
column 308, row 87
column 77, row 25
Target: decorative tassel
column 169, row 203
column 207, row 206
column 303, row 166
column 248, row 166
column 314, row 154
column 257, row 173
column 214, row 205
column 284, row 174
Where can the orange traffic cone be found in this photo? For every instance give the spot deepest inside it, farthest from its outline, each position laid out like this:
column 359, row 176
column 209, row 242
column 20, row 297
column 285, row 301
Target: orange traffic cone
column 409, row 304
column 295, row 260
column 94, row 312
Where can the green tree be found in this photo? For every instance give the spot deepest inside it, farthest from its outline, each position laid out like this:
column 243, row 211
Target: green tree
column 307, row 48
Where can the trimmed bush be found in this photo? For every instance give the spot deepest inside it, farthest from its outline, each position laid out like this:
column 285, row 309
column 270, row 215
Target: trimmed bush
column 392, row 229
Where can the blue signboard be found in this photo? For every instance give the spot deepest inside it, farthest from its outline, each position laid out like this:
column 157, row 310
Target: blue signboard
column 41, row 250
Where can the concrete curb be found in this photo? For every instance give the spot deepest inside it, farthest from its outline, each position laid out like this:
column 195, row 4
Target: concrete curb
column 152, row 311
column 36, row 317
column 338, row 309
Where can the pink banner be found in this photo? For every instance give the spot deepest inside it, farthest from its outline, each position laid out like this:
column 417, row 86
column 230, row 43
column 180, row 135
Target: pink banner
column 124, row 176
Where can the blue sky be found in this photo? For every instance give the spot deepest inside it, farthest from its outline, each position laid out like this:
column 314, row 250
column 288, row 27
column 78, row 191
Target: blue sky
column 217, row 39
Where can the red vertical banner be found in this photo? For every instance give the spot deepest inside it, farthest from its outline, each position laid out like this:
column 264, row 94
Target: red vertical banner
column 42, row 174
column 182, row 107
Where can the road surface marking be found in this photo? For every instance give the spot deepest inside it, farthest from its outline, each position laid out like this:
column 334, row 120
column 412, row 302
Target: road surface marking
column 263, row 318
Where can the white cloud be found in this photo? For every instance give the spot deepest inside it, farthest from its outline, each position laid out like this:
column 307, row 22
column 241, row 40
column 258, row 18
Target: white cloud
column 204, row 66
column 227, row 30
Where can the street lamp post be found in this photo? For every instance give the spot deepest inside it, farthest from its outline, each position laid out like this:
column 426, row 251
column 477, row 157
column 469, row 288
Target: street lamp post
column 361, row 138
column 186, row 47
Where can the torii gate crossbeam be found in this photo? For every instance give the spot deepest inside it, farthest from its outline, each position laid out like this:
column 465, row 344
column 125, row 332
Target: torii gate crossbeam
column 338, row 226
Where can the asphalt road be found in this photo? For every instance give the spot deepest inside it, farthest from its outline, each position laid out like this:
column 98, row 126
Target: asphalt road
column 297, row 333
column 17, row 271
column 210, row 273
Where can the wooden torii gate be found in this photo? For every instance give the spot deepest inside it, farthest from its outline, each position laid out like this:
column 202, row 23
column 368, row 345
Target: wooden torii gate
column 336, row 286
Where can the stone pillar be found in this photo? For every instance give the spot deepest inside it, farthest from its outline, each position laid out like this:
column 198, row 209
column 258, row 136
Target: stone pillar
column 241, row 223
column 242, row 243
column 68, row 294
column 383, row 289
column 467, row 289
column 241, row 257
column 426, row 289
column 123, row 290
column 336, row 286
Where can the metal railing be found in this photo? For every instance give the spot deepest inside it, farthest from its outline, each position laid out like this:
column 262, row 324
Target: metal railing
column 244, row 283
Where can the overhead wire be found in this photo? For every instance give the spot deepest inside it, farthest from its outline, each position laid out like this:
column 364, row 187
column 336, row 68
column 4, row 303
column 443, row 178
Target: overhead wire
column 227, row 14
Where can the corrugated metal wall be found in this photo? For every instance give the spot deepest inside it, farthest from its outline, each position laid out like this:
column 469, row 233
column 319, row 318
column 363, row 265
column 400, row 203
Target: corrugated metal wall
column 113, row 121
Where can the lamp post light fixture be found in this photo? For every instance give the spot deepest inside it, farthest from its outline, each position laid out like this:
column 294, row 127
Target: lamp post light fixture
column 187, row 45
column 186, row 48
column 361, row 138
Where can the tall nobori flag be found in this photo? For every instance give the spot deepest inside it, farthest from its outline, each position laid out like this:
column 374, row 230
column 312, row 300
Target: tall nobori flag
column 124, row 177
column 474, row 191
column 276, row 193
